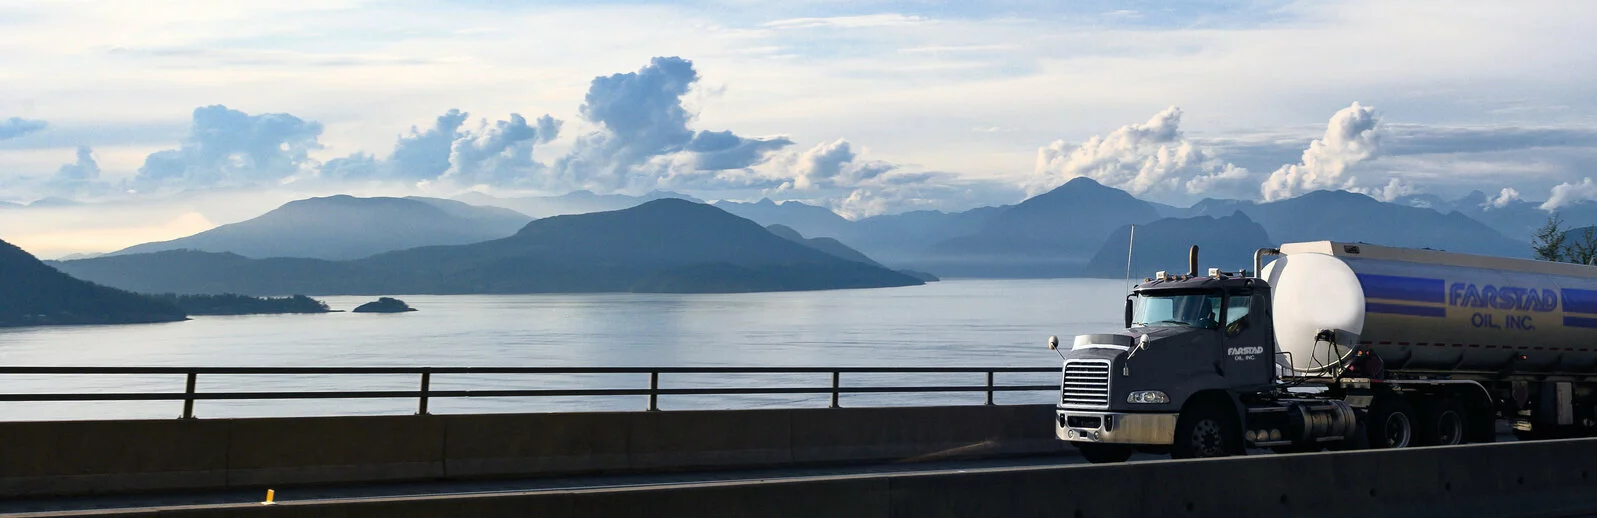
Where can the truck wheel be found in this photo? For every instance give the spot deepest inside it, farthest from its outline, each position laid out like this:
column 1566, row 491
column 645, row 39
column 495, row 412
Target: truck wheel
column 1206, row 430
column 1391, row 423
column 1443, row 422
column 1099, row 453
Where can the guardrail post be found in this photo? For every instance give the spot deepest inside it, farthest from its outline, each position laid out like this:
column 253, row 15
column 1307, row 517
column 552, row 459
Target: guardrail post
column 654, row 391
column 989, row 387
column 837, row 381
column 188, row 393
column 426, row 385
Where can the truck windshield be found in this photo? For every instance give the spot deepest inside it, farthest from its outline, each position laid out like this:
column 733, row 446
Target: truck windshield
column 1181, row 310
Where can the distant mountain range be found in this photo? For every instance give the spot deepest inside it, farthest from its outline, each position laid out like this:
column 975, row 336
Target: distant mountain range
column 346, row 227
column 1226, row 243
column 666, row 245
column 1064, row 232
column 1050, row 235
column 1346, row 216
column 32, row 293
column 839, row 250
column 578, row 202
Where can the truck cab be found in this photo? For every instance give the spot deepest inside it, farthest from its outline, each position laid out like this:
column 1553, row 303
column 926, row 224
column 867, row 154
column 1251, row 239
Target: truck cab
column 1192, row 346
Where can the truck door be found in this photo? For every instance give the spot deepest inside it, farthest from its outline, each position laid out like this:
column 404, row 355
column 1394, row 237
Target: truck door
column 1247, row 361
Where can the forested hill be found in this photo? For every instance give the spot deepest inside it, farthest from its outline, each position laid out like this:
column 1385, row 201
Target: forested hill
column 32, row 293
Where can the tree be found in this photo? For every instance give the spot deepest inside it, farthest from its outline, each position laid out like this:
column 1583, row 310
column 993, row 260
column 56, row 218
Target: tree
column 1548, row 243
column 1583, row 249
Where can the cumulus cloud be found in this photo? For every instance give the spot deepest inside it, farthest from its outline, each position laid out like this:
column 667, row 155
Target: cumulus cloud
column 1153, row 158
column 643, row 135
column 722, row 150
column 497, row 153
column 836, row 175
column 500, row 154
column 17, row 126
column 81, row 177
column 1567, row 193
column 1353, row 136
column 358, row 166
column 230, row 147
column 1506, row 196
column 1394, row 189
column 424, row 155
column 828, row 165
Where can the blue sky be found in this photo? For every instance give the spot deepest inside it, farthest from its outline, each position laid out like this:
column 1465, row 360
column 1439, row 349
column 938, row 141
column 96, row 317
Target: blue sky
column 883, row 106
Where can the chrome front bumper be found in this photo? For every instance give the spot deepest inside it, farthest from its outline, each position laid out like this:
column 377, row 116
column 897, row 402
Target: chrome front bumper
column 1115, row 427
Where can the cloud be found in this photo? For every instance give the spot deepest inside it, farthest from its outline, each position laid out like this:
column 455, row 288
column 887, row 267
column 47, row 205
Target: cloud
column 1506, row 196
column 643, row 136
column 722, row 150
column 80, row 178
column 17, row 126
column 834, row 174
column 500, row 154
column 358, row 166
column 900, row 192
column 1153, row 158
column 85, row 169
column 1411, row 139
column 830, row 165
column 496, row 154
column 230, row 147
column 1394, row 189
column 846, row 22
column 424, row 155
column 1567, row 193
column 1353, row 136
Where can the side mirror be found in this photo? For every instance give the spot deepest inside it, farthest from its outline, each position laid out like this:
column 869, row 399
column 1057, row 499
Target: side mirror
column 1128, row 313
column 1053, row 343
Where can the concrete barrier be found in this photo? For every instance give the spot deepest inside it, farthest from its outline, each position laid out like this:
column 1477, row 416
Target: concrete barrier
column 1551, row 478
column 101, row 456
column 82, row 457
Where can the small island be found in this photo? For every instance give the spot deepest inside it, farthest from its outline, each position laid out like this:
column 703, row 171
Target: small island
column 384, row 305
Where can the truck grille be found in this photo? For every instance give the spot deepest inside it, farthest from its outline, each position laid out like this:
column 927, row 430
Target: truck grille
column 1086, row 383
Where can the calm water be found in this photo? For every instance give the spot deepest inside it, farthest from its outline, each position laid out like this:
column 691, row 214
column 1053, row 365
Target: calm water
column 974, row 323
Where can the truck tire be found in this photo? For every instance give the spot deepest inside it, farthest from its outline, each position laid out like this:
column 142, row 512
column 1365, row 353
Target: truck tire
column 1206, row 430
column 1391, row 423
column 1443, row 422
column 1098, row 453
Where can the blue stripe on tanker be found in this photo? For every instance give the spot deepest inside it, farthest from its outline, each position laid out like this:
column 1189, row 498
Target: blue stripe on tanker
column 1580, row 322
column 1400, row 309
column 1579, row 301
column 1410, row 289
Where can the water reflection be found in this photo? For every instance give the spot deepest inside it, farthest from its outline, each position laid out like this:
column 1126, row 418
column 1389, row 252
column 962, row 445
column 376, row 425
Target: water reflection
column 975, row 323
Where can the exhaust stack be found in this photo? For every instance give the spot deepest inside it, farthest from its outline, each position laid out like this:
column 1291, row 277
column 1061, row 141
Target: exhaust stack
column 1258, row 259
column 1192, row 262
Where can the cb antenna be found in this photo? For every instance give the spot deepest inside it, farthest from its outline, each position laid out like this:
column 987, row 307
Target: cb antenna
column 1129, row 247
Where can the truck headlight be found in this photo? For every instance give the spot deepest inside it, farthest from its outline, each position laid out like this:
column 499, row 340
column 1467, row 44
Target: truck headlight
column 1147, row 396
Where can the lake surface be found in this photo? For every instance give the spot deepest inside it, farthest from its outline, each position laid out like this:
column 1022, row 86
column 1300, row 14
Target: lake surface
column 964, row 323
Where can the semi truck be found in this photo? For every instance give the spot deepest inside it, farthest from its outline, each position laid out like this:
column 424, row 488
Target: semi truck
column 1337, row 346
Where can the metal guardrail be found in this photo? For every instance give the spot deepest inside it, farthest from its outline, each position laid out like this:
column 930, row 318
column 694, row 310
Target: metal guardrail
column 190, row 394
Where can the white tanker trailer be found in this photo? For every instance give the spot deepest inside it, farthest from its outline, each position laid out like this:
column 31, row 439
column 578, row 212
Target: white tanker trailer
column 1337, row 345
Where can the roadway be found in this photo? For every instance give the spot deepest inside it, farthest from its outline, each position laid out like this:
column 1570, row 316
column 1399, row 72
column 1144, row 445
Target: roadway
column 86, row 505
column 91, row 505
